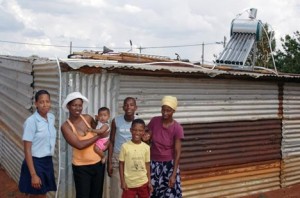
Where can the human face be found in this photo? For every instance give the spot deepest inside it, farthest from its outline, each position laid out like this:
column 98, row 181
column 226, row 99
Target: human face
column 129, row 107
column 137, row 131
column 167, row 112
column 43, row 104
column 75, row 107
column 103, row 116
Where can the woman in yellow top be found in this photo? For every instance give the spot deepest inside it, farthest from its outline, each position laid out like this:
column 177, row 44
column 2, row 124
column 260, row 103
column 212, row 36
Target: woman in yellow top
column 88, row 171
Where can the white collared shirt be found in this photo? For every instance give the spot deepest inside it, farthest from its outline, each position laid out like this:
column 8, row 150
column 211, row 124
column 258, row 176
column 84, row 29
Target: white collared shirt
column 42, row 134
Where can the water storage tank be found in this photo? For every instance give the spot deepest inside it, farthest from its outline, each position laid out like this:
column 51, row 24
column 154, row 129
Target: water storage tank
column 246, row 26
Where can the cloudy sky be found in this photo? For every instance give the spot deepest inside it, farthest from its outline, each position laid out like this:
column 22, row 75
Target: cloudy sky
column 159, row 27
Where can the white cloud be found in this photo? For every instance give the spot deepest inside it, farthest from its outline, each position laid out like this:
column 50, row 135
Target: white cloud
column 131, row 8
column 95, row 23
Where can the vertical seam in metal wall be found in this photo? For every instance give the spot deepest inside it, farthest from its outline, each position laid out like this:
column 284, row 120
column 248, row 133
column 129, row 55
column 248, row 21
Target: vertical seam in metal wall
column 59, row 124
column 281, row 116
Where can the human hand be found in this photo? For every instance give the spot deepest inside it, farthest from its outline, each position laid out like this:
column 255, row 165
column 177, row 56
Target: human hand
column 172, row 181
column 150, row 187
column 104, row 134
column 106, row 145
column 36, row 181
column 124, row 186
column 109, row 169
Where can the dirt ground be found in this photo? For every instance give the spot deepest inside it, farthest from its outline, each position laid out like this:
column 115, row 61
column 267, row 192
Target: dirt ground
column 8, row 187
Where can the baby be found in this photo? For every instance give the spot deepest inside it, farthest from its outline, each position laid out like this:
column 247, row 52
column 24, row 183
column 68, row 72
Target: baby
column 102, row 126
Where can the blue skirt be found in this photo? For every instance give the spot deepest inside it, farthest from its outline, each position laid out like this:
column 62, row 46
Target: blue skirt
column 44, row 169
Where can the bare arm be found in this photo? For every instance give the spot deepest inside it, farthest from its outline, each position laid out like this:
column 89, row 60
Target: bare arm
column 176, row 161
column 93, row 121
column 72, row 139
column 111, row 147
column 149, row 177
column 35, row 179
column 102, row 130
column 122, row 179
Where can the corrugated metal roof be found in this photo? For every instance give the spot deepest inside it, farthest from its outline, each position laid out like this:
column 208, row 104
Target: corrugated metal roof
column 172, row 67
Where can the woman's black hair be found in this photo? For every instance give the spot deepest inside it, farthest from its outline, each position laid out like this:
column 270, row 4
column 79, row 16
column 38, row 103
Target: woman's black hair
column 75, row 99
column 138, row 121
column 39, row 93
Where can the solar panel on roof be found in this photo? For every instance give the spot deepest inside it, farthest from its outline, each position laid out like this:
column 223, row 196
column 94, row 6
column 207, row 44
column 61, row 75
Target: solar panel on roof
column 244, row 35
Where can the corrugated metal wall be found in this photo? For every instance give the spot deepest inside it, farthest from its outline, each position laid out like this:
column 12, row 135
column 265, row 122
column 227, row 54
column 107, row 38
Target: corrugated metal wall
column 15, row 102
column 290, row 172
column 46, row 76
column 215, row 145
column 101, row 89
column 232, row 127
column 232, row 131
column 231, row 159
column 203, row 100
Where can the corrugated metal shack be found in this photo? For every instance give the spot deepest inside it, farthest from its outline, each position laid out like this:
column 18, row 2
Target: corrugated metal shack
column 242, row 128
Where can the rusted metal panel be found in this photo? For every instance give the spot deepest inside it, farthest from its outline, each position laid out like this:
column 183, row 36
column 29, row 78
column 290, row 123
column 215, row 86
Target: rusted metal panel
column 290, row 171
column 230, row 143
column 236, row 182
column 235, row 151
column 287, row 192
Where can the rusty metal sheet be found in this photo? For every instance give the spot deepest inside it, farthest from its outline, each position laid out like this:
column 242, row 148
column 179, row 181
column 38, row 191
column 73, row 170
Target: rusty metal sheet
column 287, row 192
column 290, row 171
column 231, row 158
column 236, row 182
column 230, row 143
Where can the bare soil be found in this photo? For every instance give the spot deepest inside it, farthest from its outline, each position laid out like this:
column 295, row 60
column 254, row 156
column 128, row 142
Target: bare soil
column 8, row 187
